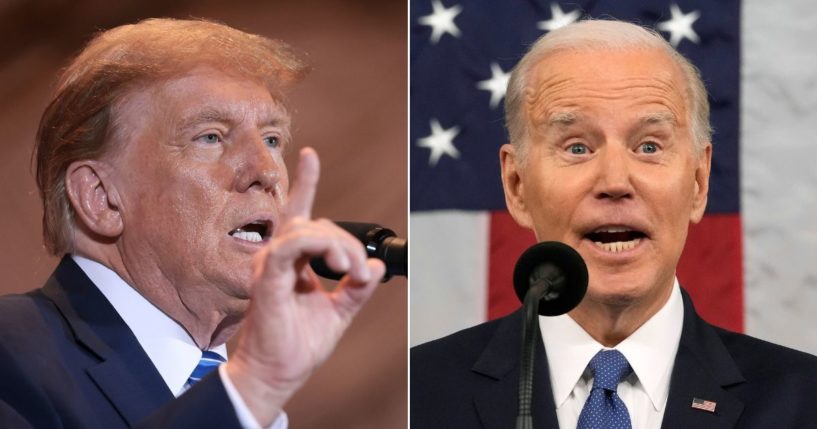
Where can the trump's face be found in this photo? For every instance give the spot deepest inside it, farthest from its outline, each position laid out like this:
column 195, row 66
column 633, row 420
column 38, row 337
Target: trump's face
column 611, row 168
column 201, row 179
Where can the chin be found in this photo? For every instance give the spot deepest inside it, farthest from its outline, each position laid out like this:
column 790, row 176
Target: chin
column 616, row 290
column 239, row 289
column 612, row 298
column 234, row 287
column 238, row 307
column 235, row 301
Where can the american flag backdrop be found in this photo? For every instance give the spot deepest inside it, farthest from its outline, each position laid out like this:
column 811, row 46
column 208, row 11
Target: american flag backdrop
column 464, row 244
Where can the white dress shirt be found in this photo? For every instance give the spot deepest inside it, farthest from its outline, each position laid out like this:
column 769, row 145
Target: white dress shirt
column 170, row 348
column 650, row 350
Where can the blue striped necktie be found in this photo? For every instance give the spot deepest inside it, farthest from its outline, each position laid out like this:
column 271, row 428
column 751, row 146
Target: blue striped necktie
column 209, row 361
column 604, row 409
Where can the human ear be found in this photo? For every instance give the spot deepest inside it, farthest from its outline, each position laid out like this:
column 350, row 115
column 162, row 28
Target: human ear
column 514, row 186
column 699, row 197
column 93, row 197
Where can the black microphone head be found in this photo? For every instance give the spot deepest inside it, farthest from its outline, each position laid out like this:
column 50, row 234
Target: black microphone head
column 379, row 242
column 394, row 253
column 364, row 232
column 552, row 256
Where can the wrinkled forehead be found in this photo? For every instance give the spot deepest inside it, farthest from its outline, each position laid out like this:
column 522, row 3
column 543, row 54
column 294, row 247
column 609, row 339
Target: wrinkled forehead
column 207, row 85
column 566, row 80
column 200, row 95
column 272, row 88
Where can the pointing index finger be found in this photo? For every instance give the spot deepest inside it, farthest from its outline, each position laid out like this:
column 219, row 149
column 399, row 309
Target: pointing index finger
column 302, row 192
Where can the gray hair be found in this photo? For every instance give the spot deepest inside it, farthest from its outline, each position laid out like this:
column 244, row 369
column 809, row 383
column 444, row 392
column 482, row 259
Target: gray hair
column 596, row 35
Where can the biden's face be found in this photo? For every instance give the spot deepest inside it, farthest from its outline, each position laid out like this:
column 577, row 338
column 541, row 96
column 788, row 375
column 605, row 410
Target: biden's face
column 610, row 168
column 201, row 180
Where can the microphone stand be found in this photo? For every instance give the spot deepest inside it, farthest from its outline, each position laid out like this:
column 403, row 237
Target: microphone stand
column 550, row 278
column 530, row 335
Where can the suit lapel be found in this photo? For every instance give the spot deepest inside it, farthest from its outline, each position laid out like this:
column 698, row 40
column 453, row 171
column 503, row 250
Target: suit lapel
column 497, row 403
column 703, row 369
column 124, row 374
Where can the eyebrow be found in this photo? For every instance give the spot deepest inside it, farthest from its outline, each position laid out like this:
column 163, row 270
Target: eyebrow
column 659, row 118
column 566, row 119
column 207, row 115
column 563, row 119
column 216, row 115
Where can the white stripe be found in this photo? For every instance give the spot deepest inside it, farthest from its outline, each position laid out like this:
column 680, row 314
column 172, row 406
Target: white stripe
column 779, row 171
column 449, row 292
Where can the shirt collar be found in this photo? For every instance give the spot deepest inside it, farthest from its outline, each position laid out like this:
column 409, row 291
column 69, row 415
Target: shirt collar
column 650, row 350
column 167, row 344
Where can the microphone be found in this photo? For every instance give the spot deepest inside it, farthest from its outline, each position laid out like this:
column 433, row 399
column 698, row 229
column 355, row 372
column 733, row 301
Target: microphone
column 381, row 243
column 550, row 279
column 556, row 267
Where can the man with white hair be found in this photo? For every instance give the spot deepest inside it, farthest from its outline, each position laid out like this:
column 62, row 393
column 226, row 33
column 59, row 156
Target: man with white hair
column 610, row 153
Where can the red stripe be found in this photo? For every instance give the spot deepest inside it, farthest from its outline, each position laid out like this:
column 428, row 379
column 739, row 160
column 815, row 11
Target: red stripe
column 710, row 268
column 507, row 242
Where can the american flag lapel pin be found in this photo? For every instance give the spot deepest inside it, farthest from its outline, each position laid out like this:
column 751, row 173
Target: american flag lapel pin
column 703, row 404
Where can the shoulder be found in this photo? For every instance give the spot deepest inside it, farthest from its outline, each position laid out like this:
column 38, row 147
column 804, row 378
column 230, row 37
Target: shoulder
column 32, row 330
column 468, row 358
column 444, row 379
column 761, row 360
column 761, row 363
column 777, row 388
column 455, row 350
column 24, row 354
column 19, row 312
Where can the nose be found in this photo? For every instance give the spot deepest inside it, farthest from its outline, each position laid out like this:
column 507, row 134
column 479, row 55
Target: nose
column 614, row 180
column 255, row 166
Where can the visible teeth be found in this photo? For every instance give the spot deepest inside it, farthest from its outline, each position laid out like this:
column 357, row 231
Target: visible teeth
column 248, row 236
column 618, row 246
column 613, row 229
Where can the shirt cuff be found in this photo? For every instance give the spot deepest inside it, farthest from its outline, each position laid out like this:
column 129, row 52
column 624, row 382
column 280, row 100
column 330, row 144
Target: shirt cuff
column 244, row 414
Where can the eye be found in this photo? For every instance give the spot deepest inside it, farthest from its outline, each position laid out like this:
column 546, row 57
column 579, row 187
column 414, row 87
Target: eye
column 648, row 147
column 210, row 138
column 578, row 149
column 272, row 141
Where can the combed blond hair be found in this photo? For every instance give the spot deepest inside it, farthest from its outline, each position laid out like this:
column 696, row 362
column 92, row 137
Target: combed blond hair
column 78, row 122
column 602, row 35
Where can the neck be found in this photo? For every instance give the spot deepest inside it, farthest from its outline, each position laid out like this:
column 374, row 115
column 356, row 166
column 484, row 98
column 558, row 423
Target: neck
column 612, row 321
column 207, row 325
column 191, row 307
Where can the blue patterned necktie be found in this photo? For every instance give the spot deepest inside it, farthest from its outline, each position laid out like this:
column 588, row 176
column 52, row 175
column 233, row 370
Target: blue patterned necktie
column 209, row 361
column 604, row 409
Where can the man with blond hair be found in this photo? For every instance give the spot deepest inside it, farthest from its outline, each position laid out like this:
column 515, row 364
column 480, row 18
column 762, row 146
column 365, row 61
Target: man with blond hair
column 160, row 167
column 610, row 153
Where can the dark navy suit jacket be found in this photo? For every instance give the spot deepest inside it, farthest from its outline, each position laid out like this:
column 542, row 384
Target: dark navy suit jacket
column 67, row 360
column 469, row 380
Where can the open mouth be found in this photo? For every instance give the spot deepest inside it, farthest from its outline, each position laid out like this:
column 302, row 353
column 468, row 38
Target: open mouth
column 615, row 239
column 254, row 232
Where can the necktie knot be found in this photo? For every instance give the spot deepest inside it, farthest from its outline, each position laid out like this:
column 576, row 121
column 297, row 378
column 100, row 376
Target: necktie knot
column 604, row 409
column 209, row 361
column 609, row 368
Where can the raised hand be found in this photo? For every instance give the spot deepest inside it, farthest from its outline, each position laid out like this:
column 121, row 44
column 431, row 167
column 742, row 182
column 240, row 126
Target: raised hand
column 293, row 324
